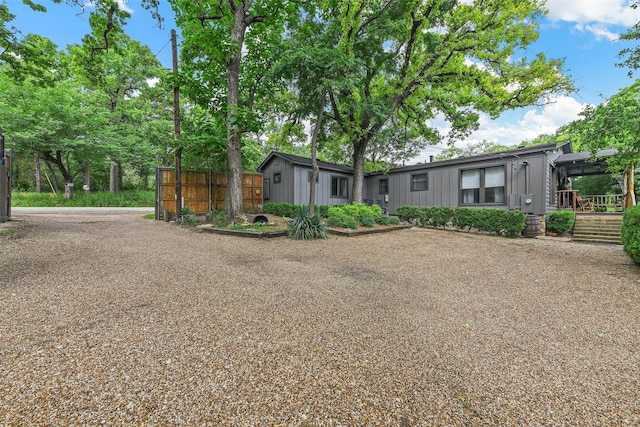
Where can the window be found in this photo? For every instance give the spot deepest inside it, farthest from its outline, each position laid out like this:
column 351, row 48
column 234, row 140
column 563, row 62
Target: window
column 339, row 187
column 419, row 182
column 483, row 186
column 277, row 178
column 383, row 186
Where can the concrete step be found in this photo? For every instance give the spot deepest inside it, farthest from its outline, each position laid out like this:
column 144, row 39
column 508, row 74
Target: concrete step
column 598, row 229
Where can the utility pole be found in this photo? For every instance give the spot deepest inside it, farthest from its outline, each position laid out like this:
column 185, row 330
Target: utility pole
column 176, row 125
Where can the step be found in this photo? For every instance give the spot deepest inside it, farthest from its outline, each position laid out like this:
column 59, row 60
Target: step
column 592, row 239
column 598, row 229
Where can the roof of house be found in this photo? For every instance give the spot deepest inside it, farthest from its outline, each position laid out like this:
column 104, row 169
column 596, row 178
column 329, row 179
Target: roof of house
column 535, row 149
column 304, row 161
column 581, row 157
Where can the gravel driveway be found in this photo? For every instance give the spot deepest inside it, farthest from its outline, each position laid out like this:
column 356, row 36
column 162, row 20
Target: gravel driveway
column 108, row 318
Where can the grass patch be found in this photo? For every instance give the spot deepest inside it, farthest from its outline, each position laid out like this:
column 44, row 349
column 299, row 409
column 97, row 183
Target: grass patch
column 99, row 199
column 6, row 234
column 150, row 216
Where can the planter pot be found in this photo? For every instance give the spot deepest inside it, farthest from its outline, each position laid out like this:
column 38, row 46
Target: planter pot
column 551, row 234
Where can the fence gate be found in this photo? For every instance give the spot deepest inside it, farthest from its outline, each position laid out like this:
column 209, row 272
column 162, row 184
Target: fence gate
column 203, row 191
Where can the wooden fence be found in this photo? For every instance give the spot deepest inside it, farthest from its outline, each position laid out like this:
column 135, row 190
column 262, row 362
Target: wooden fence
column 5, row 187
column 203, row 191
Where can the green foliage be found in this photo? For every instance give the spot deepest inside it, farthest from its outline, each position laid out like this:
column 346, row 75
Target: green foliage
column 217, row 218
column 383, row 219
column 614, row 124
column 288, row 210
column 352, row 215
column 367, row 220
column 596, row 184
column 306, row 227
column 95, row 199
column 631, row 232
column 508, row 223
column 185, row 215
column 561, row 222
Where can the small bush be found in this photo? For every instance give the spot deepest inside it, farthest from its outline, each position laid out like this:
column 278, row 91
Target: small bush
column 631, row 232
column 350, row 222
column 217, row 218
column 561, row 222
column 280, row 209
column 394, row 220
column 383, row 219
column 306, row 227
column 367, row 220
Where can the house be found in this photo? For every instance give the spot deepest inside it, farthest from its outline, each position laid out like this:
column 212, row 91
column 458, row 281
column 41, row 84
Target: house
column 524, row 178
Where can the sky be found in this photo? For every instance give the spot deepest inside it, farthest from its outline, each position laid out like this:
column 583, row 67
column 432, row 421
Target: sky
column 583, row 32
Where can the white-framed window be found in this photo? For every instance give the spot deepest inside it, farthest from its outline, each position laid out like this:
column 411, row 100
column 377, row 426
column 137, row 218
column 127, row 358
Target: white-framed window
column 483, row 186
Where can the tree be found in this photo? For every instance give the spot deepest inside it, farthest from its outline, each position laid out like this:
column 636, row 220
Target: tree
column 64, row 124
column 215, row 43
column 631, row 55
column 123, row 72
column 420, row 59
column 616, row 124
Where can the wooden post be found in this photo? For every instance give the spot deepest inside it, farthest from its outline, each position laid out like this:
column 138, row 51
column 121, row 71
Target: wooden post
column 176, row 124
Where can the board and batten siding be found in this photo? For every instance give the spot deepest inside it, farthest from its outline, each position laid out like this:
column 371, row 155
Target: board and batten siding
column 282, row 192
column 524, row 174
column 323, row 187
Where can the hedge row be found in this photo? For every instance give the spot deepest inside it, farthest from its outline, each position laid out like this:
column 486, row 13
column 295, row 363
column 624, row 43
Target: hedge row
column 353, row 215
column 290, row 210
column 631, row 232
column 498, row 221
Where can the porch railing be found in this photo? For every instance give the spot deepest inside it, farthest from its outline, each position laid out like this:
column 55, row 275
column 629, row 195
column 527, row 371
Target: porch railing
column 568, row 199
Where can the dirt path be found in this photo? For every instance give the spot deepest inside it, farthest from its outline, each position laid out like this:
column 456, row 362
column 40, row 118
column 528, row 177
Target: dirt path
column 108, row 318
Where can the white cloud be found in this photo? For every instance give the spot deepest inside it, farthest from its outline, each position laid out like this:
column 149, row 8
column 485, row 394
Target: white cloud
column 124, row 5
column 532, row 123
column 595, row 16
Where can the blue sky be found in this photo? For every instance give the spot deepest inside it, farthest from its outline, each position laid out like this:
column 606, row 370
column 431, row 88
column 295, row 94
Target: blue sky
column 584, row 32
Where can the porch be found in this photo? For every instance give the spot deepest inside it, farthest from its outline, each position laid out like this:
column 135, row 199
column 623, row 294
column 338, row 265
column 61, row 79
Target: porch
column 573, row 200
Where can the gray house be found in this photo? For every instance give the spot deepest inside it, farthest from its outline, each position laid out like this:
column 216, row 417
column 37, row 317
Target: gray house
column 286, row 179
column 524, row 178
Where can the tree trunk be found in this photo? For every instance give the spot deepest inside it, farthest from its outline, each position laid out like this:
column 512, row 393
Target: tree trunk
column 233, row 199
column 38, row 173
column 630, row 199
column 359, row 149
column 114, row 178
column 87, row 180
column 314, row 161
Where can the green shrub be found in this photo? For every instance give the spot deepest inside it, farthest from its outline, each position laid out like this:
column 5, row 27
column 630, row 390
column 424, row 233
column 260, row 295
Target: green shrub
column 367, row 220
column 561, row 222
column 383, row 219
column 350, row 222
column 394, row 220
column 217, row 218
column 280, row 209
column 631, row 232
column 306, row 227
column 498, row 221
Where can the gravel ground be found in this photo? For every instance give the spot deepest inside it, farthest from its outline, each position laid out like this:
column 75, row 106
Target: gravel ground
column 108, row 318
